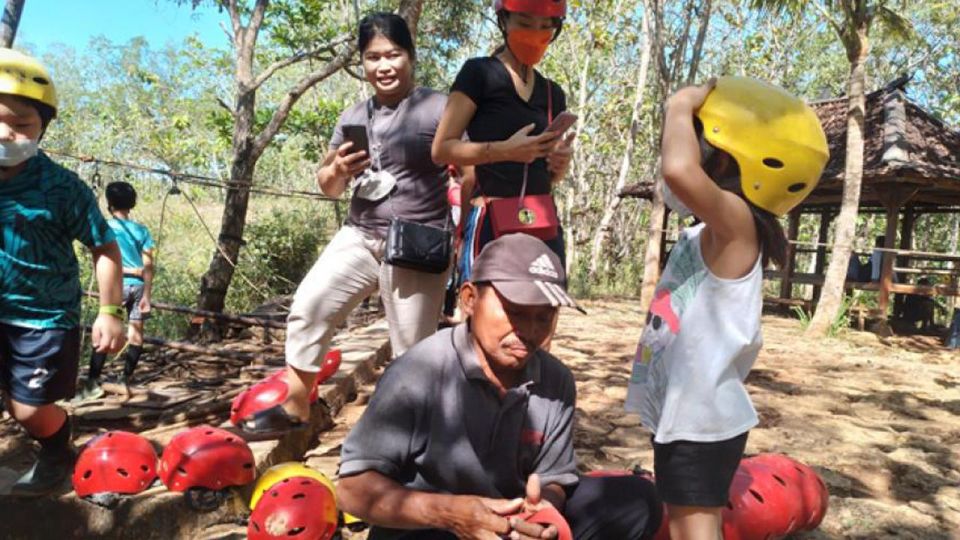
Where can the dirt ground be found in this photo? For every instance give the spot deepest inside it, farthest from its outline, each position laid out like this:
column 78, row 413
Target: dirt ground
column 878, row 419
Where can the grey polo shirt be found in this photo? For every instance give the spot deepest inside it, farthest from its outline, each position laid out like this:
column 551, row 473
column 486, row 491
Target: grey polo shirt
column 436, row 423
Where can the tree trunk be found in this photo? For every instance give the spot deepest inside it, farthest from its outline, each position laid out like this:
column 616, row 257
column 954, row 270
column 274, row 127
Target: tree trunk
column 248, row 146
column 216, row 281
column 411, row 10
column 614, row 200
column 831, row 295
column 10, row 22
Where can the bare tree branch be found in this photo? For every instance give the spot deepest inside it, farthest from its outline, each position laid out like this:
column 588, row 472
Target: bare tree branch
column 234, row 18
column 223, row 104
column 825, row 13
column 289, row 100
column 299, row 57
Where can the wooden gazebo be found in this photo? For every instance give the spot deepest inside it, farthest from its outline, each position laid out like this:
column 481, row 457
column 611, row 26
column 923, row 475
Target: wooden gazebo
column 911, row 167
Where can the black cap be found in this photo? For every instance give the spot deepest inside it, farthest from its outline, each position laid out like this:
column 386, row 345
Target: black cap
column 524, row 270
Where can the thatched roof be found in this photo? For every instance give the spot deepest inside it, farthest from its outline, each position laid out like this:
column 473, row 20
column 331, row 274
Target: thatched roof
column 903, row 145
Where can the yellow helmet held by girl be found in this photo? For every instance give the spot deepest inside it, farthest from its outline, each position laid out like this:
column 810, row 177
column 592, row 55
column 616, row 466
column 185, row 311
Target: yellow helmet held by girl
column 775, row 138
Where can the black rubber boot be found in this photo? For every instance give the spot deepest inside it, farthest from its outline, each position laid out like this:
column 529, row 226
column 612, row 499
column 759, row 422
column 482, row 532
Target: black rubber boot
column 53, row 467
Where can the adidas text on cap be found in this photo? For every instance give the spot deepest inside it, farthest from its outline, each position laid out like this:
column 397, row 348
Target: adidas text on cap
column 524, row 270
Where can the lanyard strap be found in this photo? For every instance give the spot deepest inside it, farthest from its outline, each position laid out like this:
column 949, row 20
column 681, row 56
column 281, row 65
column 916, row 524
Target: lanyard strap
column 526, row 166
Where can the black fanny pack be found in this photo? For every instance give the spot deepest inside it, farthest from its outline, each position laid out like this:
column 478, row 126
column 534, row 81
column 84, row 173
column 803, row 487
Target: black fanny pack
column 417, row 246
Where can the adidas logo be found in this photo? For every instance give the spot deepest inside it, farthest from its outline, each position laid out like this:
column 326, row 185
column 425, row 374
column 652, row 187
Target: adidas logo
column 543, row 267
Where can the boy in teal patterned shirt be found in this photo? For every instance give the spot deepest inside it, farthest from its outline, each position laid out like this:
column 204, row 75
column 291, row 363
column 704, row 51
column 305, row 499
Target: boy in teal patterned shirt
column 43, row 209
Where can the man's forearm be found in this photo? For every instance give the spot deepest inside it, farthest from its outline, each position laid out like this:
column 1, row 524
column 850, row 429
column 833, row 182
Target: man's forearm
column 380, row 500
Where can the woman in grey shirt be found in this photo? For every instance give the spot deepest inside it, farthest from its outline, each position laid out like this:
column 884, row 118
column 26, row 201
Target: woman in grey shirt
column 398, row 179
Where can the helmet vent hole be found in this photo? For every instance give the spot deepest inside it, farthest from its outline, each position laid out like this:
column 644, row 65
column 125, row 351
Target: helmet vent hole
column 248, row 465
column 799, row 470
column 109, row 434
column 274, row 493
column 209, row 432
column 729, row 505
column 778, row 479
column 756, row 495
column 773, row 163
column 181, row 471
column 123, row 472
column 299, row 496
column 144, row 468
column 255, row 526
column 41, row 80
column 229, row 439
column 305, row 483
column 296, row 531
column 799, row 186
column 87, row 474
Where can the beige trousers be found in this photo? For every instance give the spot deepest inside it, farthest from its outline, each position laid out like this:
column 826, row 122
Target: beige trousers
column 350, row 269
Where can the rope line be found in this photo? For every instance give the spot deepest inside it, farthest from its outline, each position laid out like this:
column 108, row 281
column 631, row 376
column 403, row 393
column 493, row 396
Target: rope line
column 194, row 179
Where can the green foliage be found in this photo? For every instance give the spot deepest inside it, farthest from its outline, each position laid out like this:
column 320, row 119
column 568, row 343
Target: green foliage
column 802, row 315
column 282, row 246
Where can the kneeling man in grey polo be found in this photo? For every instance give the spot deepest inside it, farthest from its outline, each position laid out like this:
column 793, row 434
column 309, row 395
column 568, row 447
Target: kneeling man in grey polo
column 475, row 423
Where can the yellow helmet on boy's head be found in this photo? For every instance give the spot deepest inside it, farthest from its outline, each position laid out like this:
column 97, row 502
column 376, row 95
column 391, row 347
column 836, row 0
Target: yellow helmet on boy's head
column 775, row 137
column 24, row 76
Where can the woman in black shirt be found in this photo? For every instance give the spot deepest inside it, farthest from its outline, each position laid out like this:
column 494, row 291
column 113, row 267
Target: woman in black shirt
column 504, row 105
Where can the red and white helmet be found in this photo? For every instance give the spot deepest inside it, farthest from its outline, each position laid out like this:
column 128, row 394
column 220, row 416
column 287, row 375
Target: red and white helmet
column 539, row 8
column 117, row 463
column 206, row 457
column 298, row 507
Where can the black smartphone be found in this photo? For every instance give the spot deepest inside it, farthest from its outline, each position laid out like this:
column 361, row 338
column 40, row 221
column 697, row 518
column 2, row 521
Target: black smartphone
column 357, row 134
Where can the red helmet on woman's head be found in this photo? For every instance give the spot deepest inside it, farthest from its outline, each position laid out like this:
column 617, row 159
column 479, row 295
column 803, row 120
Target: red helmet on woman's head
column 116, row 462
column 539, row 8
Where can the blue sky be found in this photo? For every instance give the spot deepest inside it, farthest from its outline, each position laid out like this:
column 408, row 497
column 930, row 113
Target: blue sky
column 74, row 22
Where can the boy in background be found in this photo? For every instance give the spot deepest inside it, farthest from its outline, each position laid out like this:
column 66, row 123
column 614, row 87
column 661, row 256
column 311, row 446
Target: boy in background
column 136, row 249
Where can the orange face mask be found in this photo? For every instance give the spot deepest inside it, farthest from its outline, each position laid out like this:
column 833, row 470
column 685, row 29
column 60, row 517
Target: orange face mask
column 529, row 45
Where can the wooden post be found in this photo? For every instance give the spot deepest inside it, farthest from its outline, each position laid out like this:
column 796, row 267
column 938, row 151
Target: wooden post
column 793, row 230
column 893, row 198
column 906, row 235
column 825, row 218
column 663, row 239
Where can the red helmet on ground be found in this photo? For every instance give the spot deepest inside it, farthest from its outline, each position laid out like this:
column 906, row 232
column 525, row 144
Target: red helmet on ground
column 813, row 493
column 273, row 390
column 762, row 506
column 116, row 462
column 297, row 507
column 206, row 457
column 539, row 8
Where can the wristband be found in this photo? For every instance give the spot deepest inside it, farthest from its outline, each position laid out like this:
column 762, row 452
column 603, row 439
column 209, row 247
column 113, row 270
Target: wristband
column 113, row 310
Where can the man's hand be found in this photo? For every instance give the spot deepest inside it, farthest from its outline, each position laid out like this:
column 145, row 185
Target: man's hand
column 107, row 334
column 479, row 518
column 534, row 502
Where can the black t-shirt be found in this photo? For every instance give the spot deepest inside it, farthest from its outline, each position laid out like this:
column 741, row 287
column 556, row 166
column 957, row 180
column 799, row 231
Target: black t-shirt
column 501, row 113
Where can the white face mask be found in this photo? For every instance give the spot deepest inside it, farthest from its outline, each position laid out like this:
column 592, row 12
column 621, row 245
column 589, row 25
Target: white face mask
column 673, row 203
column 13, row 153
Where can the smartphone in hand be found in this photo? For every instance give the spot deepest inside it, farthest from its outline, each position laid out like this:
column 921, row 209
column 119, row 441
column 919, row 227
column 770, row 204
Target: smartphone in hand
column 564, row 121
column 357, row 134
